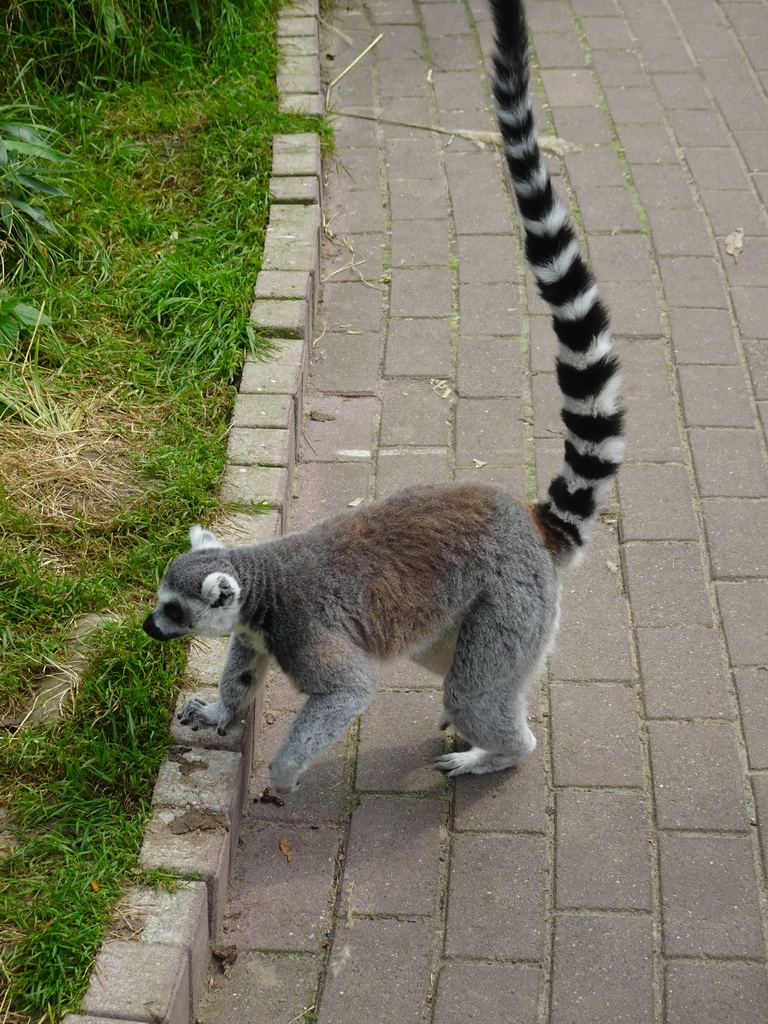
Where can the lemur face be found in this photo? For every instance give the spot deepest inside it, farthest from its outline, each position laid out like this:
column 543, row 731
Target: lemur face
column 198, row 595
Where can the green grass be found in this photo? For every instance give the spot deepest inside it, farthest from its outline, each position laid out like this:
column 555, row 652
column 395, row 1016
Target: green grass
column 113, row 426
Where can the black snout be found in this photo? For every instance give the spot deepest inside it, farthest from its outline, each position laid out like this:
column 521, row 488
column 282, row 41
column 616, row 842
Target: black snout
column 151, row 629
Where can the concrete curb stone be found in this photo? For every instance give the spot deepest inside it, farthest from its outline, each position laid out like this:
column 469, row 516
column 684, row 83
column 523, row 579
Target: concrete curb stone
column 160, row 977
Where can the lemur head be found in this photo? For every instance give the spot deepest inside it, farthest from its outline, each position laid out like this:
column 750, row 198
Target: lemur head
column 199, row 595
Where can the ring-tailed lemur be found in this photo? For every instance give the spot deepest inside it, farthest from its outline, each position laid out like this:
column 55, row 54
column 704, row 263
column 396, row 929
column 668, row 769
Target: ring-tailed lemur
column 460, row 577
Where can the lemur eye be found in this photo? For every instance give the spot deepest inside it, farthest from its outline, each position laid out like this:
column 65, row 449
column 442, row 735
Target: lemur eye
column 174, row 612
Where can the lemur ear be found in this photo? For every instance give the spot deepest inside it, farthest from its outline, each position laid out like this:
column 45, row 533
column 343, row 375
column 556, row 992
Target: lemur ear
column 220, row 589
column 200, row 539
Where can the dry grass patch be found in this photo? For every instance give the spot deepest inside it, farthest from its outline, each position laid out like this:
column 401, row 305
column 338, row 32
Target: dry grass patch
column 59, row 476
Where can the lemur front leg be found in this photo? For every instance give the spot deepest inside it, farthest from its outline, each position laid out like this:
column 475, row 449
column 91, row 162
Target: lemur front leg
column 324, row 717
column 244, row 674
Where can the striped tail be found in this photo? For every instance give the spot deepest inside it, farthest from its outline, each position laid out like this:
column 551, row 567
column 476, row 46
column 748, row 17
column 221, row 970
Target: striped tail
column 587, row 371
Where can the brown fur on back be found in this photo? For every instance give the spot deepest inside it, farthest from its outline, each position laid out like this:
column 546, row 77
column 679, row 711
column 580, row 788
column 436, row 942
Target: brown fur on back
column 410, row 556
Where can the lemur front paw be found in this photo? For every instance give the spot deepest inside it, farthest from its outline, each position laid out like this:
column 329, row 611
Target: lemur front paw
column 284, row 778
column 197, row 712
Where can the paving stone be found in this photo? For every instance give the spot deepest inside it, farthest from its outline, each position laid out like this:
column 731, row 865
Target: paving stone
column 682, row 673
column 645, row 368
column 292, row 238
column 493, row 993
column 206, row 779
column 445, row 19
column 692, row 281
column 621, row 257
column 421, row 293
column 347, row 362
column 606, row 208
column 495, row 901
column 419, row 243
column 662, row 186
column 602, row 851
column 646, row 144
column 296, row 154
column 408, row 159
column 703, row 336
column 709, row 897
column 341, row 429
column 728, row 210
column 282, row 375
column 569, row 87
column 265, row 411
column 714, row 396
column 490, row 430
column 350, row 306
column 399, row 741
column 261, row 446
column 252, row 485
column 413, row 199
column 362, row 259
column 716, row 992
column 392, row 860
column 178, row 918
column 605, row 33
column 634, row 309
column 751, row 305
column 742, row 607
column 281, row 903
column 204, row 853
column 480, row 202
column 76, row 1018
column 142, row 981
column 757, row 360
column 653, row 430
column 486, row 259
column 512, row 478
column 458, row 90
column 598, row 166
column 295, row 189
column 698, row 128
column 656, row 504
column 298, row 73
column 488, row 309
column 413, row 414
column 590, row 953
column 418, row 347
column 488, row 367
column 382, row 977
column 752, row 689
column 697, row 776
column 403, row 467
column 728, row 463
column 666, row 585
column 682, row 91
column 679, row 232
column 327, row 488
column 595, row 735
column 737, row 532
column 509, row 801
column 262, row 988
column 618, row 68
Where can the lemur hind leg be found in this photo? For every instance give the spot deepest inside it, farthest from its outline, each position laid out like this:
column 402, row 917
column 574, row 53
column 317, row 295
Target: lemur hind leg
column 485, row 691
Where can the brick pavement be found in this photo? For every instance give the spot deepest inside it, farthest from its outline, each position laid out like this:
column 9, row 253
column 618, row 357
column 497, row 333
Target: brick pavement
column 620, row 874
